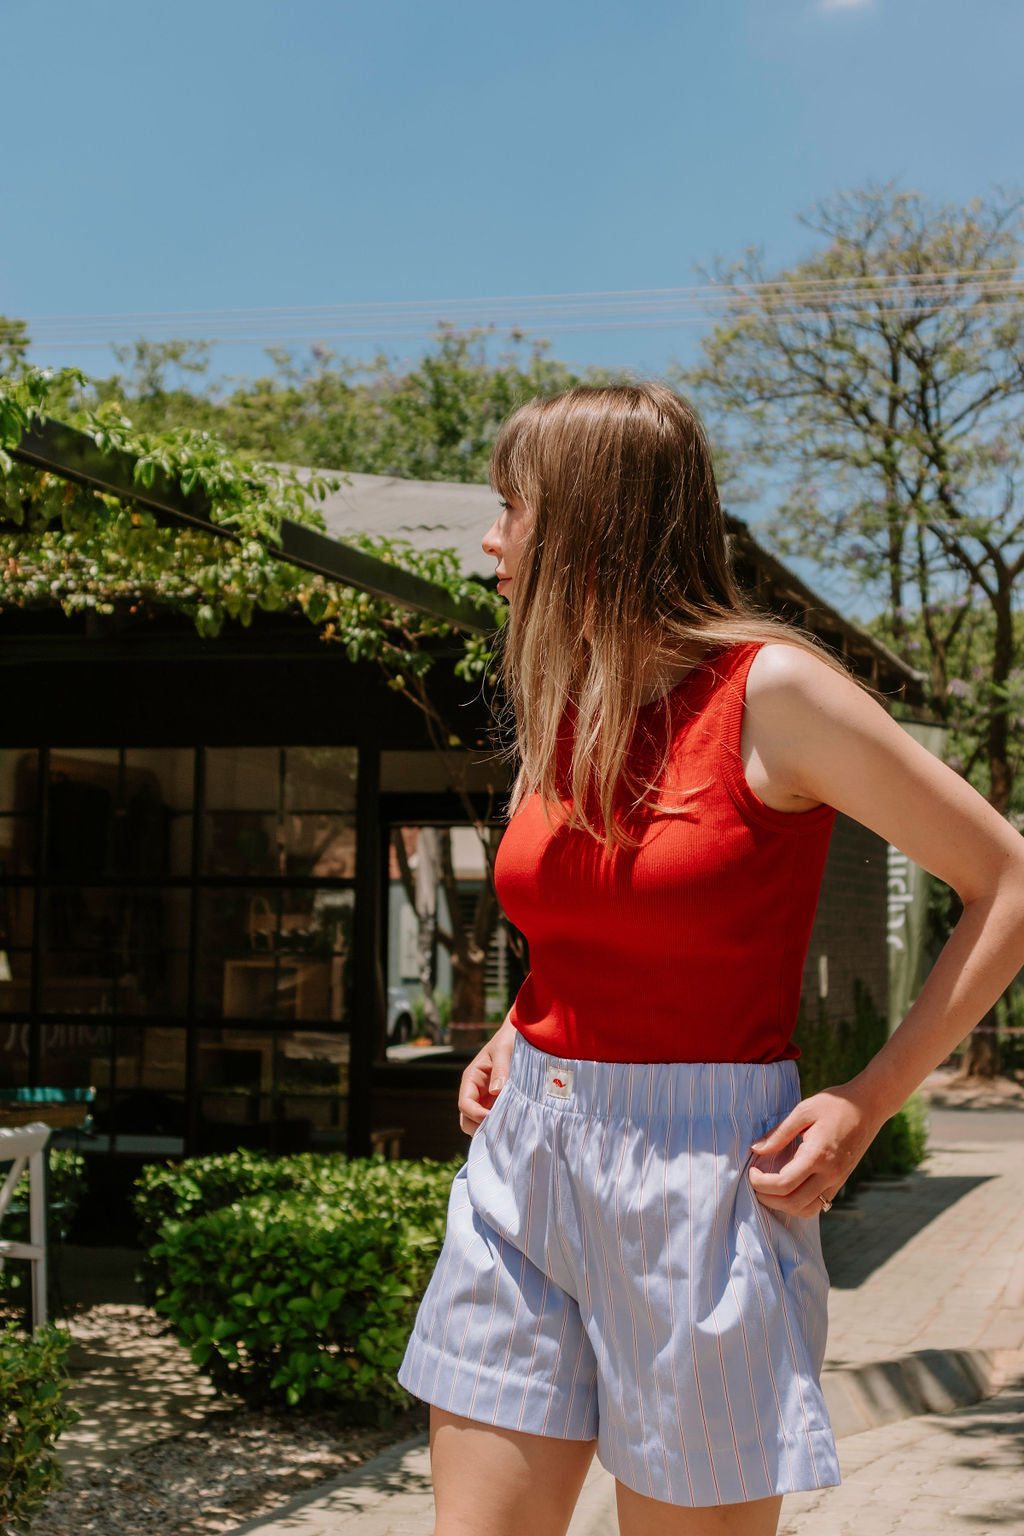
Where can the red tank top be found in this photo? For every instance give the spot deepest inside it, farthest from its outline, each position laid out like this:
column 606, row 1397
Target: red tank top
column 690, row 947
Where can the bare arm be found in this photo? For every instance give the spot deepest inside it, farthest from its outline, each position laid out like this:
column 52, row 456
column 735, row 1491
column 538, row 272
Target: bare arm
column 825, row 739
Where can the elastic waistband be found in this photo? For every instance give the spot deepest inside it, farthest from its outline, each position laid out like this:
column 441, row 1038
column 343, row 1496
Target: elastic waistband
column 641, row 1090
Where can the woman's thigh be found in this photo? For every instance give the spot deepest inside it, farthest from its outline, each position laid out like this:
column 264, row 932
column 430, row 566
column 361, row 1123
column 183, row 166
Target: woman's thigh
column 641, row 1516
column 490, row 1481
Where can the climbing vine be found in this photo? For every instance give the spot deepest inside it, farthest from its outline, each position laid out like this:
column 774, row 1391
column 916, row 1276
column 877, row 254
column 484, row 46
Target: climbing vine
column 82, row 550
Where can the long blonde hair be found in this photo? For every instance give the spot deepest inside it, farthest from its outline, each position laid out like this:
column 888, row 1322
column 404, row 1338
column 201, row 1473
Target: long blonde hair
column 626, row 566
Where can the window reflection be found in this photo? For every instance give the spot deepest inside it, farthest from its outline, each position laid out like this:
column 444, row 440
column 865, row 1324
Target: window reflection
column 256, row 1079
column 109, row 897
column 287, row 811
column 273, row 954
column 117, row 813
column 114, row 949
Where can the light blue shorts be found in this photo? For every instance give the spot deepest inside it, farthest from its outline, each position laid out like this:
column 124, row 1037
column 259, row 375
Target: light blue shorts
column 608, row 1271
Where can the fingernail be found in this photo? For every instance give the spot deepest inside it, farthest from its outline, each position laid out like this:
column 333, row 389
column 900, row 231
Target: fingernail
column 756, row 1146
column 496, row 1083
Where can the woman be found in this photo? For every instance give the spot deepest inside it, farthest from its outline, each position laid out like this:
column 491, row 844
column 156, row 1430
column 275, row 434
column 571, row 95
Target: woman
column 632, row 1262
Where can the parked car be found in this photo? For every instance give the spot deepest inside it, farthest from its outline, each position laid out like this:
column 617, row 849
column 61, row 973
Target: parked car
column 401, row 1026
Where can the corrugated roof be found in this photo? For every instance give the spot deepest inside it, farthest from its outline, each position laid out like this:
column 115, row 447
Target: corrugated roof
column 431, row 514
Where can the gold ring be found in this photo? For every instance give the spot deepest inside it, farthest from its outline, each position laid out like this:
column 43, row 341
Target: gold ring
column 826, row 1205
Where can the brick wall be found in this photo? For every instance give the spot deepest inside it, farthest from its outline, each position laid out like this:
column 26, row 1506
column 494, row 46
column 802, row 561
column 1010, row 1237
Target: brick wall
column 850, row 925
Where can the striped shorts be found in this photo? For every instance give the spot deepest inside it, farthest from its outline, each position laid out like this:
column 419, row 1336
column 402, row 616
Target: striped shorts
column 608, row 1272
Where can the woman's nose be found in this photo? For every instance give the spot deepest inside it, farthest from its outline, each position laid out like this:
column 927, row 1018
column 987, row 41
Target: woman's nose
column 490, row 543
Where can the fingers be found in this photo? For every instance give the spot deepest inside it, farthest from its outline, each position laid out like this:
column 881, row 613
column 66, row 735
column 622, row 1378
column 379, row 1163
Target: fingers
column 794, row 1189
column 781, row 1135
column 787, row 1179
column 808, row 1170
column 501, row 1059
column 803, row 1202
column 482, row 1081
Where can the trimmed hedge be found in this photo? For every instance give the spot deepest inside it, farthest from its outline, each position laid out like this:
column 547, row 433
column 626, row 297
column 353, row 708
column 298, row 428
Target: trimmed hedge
column 307, row 1293
column 32, row 1417
column 177, row 1191
column 833, row 1051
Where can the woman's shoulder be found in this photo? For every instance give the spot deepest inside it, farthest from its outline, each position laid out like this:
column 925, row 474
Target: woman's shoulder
column 778, row 666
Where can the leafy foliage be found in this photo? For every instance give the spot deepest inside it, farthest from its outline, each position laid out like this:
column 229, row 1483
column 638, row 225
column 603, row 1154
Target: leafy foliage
column 178, row 1191
column 33, row 1415
column 85, row 551
column 833, row 1051
column 880, row 381
column 434, row 421
column 304, row 1294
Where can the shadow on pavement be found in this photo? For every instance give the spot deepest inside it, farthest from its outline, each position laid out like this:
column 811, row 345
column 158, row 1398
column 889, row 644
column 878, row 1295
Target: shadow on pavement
column 883, row 1220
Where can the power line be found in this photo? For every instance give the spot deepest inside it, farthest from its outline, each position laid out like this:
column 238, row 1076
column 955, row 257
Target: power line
column 891, row 280
column 900, row 295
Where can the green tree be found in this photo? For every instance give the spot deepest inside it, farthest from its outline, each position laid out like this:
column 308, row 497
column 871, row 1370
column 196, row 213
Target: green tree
column 14, row 344
column 434, row 421
column 164, row 386
column 879, row 384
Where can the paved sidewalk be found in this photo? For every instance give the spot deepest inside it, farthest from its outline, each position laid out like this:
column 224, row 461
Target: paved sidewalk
column 927, row 1313
column 957, row 1474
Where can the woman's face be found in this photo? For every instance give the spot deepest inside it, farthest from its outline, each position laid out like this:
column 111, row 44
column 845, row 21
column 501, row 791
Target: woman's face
column 505, row 539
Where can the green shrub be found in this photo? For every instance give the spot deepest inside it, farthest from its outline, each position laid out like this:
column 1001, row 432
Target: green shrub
column 32, row 1417
column 902, row 1143
column 176, row 1191
column 833, row 1051
column 308, row 1294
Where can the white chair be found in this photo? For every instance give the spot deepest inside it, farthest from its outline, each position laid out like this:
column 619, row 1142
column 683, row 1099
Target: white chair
column 26, row 1145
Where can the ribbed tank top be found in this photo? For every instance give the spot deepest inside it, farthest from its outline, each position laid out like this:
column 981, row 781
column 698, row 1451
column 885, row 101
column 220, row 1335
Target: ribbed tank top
column 690, row 947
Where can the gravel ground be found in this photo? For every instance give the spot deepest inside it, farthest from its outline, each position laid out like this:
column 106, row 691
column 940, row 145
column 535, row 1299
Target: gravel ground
column 229, row 1464
column 208, row 1480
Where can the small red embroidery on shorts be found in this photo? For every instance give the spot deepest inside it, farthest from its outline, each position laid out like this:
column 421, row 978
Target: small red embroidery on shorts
column 558, row 1081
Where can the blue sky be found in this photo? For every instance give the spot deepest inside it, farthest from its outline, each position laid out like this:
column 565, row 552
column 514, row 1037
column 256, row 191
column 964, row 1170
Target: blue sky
column 246, row 154
column 225, row 155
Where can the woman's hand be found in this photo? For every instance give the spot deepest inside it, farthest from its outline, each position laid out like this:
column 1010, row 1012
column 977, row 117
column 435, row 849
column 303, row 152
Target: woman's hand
column 484, row 1078
column 835, row 1128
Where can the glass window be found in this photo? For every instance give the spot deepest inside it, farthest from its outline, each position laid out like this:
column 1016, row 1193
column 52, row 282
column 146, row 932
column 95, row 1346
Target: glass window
column 18, row 778
column 112, row 905
column 110, row 949
column 276, row 955
column 14, row 1049
column 77, row 1055
column 17, row 903
column 404, row 772
column 156, row 835
column 113, row 813
column 17, row 766
column 139, row 1074
column 251, row 1078
column 281, row 811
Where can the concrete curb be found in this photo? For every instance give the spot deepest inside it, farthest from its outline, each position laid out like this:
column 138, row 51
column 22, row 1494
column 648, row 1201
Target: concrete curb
column 862, row 1397
column 391, row 1495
